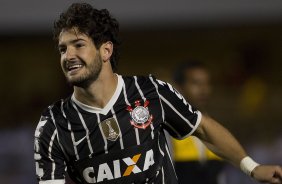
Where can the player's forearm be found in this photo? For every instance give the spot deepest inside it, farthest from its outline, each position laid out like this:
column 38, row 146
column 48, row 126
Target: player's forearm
column 219, row 140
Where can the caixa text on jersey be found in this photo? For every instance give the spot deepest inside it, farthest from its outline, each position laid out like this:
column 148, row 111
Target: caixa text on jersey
column 119, row 168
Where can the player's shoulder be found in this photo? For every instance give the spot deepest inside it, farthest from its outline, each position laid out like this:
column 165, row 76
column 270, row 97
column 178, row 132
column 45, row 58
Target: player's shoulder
column 55, row 108
column 140, row 79
column 48, row 117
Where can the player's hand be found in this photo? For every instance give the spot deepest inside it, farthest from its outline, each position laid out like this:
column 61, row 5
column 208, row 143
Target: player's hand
column 268, row 174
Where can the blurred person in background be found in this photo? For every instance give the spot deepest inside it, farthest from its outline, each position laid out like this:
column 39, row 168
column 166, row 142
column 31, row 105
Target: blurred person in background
column 111, row 129
column 193, row 161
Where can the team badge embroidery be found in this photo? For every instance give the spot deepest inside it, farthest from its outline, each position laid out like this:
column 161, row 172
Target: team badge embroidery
column 140, row 115
column 110, row 129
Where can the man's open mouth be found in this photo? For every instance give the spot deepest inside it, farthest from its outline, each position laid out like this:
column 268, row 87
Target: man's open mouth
column 72, row 67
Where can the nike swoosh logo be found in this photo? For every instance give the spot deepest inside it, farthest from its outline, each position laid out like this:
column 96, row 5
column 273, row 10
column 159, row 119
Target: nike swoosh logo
column 76, row 143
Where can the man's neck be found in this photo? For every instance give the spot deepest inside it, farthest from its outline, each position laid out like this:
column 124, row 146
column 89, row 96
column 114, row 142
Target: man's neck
column 99, row 93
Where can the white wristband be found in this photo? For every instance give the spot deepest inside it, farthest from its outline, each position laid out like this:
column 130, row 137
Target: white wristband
column 247, row 165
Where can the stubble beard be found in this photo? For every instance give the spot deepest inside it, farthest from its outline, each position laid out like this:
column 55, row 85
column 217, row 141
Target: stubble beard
column 91, row 74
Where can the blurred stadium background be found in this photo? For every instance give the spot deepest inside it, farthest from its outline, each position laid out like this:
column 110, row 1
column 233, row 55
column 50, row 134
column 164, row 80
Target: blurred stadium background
column 239, row 40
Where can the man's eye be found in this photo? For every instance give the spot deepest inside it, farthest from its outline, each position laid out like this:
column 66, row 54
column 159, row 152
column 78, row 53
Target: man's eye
column 62, row 50
column 78, row 45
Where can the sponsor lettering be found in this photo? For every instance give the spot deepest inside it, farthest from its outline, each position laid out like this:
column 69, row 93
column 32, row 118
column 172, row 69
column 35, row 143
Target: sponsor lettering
column 104, row 171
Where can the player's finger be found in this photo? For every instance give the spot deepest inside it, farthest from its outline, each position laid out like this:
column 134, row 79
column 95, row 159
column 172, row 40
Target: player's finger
column 276, row 181
column 278, row 172
column 277, row 178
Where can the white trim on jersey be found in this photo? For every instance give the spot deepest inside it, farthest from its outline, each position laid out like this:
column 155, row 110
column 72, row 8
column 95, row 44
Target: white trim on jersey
column 152, row 128
column 176, row 111
column 120, row 137
column 138, row 88
column 168, row 153
column 73, row 141
column 85, row 127
column 157, row 89
column 72, row 134
column 161, row 151
column 103, row 135
column 178, row 136
column 196, row 125
column 157, row 173
column 54, row 122
column 137, row 136
column 52, row 182
column 136, row 129
column 109, row 105
column 52, row 141
column 163, row 175
column 125, row 95
column 144, row 99
column 50, row 154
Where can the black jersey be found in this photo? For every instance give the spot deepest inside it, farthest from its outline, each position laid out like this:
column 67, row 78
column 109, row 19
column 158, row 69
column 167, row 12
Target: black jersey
column 123, row 142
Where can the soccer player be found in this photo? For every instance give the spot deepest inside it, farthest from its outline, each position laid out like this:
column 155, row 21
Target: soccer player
column 193, row 161
column 110, row 130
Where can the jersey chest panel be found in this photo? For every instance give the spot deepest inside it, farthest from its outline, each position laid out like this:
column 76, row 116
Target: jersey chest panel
column 126, row 125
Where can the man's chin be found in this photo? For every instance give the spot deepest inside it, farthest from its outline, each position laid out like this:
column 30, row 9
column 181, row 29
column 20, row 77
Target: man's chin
column 80, row 83
column 74, row 82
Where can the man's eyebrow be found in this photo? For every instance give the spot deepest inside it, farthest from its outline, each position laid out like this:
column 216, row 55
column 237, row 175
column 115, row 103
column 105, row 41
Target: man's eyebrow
column 71, row 42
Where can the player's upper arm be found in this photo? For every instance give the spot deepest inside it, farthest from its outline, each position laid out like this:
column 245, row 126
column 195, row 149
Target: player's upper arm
column 181, row 119
column 49, row 159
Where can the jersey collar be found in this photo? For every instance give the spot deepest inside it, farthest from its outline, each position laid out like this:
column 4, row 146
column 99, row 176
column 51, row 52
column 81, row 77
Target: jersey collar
column 109, row 105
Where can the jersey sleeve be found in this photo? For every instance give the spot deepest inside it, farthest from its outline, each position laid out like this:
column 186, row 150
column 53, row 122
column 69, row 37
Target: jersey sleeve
column 180, row 118
column 49, row 159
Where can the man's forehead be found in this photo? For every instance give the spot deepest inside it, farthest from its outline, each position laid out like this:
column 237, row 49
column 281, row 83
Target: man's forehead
column 72, row 34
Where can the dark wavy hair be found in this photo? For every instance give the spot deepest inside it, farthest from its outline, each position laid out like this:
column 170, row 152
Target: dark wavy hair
column 99, row 25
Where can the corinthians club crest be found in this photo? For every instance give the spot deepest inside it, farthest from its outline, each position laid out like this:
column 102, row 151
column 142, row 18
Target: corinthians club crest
column 110, row 129
column 140, row 115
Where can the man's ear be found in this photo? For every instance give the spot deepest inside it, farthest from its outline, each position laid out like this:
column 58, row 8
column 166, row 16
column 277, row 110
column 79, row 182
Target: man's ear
column 106, row 50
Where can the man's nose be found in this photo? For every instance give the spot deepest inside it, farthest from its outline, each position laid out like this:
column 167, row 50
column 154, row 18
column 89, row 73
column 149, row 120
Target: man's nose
column 70, row 54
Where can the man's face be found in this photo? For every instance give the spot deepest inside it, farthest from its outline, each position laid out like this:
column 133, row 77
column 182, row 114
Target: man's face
column 197, row 87
column 80, row 60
